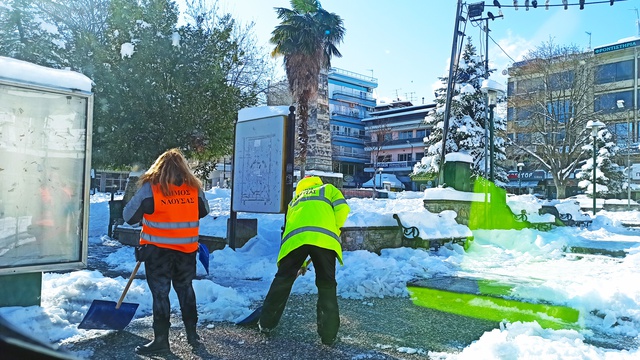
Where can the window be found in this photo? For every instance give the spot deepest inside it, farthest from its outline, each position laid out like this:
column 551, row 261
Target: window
column 384, row 158
column 419, row 156
column 561, row 81
column 555, row 137
column 404, row 157
column 510, row 87
column 524, row 116
column 405, row 135
column 617, row 71
column 421, row 134
column 560, row 110
column 607, row 103
column 530, row 85
column 523, row 139
column 620, row 133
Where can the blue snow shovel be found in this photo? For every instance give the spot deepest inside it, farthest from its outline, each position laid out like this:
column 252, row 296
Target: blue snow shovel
column 203, row 256
column 109, row 315
column 253, row 318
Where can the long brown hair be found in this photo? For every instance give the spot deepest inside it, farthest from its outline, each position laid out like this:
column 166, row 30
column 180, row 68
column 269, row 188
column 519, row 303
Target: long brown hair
column 170, row 168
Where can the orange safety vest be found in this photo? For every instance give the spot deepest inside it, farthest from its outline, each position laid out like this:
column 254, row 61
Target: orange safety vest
column 174, row 223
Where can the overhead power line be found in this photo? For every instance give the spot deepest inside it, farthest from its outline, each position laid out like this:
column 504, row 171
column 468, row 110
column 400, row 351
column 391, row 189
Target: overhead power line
column 563, row 3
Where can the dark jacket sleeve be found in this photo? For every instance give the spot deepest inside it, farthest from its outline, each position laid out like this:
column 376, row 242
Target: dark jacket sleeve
column 203, row 204
column 141, row 203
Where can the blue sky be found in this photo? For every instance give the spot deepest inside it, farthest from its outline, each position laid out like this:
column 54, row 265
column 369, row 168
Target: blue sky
column 406, row 44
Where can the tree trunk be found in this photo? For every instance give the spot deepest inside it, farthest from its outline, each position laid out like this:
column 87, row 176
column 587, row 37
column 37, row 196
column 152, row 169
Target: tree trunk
column 561, row 191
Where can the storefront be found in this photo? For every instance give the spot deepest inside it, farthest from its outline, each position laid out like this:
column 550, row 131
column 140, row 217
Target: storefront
column 527, row 182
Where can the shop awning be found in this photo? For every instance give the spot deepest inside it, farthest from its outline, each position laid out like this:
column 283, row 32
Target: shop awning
column 525, row 184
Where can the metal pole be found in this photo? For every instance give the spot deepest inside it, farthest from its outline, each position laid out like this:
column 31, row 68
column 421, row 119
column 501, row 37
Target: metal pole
column 628, row 162
column 486, row 115
column 594, row 174
column 290, row 135
column 519, row 182
column 491, row 155
column 233, row 215
column 450, row 83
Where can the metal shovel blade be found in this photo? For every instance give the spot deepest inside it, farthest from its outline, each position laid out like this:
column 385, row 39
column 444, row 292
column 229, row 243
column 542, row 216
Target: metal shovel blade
column 103, row 315
column 252, row 319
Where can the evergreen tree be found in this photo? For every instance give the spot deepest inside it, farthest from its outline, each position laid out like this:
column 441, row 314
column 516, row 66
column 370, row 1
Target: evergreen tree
column 25, row 35
column 467, row 123
column 164, row 86
column 610, row 179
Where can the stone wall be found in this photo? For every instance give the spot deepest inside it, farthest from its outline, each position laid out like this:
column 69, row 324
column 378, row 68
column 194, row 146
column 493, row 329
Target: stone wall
column 462, row 208
column 373, row 238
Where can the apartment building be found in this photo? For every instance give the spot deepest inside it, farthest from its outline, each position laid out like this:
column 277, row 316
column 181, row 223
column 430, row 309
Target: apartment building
column 395, row 139
column 350, row 101
column 611, row 89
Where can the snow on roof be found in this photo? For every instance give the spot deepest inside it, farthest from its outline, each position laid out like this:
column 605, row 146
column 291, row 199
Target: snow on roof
column 319, row 173
column 458, row 156
column 382, row 178
column 262, row 112
column 26, row 72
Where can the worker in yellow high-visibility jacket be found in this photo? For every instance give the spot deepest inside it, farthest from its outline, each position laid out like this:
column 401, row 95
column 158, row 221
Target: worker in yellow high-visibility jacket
column 312, row 228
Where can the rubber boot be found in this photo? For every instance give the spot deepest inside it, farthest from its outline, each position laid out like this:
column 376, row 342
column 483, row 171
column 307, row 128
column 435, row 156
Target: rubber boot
column 159, row 344
column 192, row 336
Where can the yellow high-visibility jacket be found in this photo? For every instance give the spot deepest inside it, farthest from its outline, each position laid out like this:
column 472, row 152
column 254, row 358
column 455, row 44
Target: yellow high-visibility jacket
column 314, row 217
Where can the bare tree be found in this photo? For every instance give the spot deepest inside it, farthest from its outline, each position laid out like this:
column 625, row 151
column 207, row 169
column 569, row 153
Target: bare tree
column 553, row 101
column 379, row 134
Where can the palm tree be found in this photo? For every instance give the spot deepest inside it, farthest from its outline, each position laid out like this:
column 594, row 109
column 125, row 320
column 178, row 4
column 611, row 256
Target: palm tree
column 306, row 37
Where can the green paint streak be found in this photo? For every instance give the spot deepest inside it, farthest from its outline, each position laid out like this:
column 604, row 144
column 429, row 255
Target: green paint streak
column 496, row 309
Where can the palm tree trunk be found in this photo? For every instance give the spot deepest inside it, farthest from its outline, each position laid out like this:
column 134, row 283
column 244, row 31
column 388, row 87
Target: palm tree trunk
column 303, row 136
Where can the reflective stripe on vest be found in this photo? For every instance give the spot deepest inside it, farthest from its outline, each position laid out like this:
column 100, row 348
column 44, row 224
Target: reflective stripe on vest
column 175, row 225
column 313, row 229
column 339, row 202
column 168, row 240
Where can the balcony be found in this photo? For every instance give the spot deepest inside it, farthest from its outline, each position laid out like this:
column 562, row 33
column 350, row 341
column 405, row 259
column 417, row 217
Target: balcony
column 392, row 165
column 347, row 135
column 347, row 113
column 351, row 77
column 416, row 142
column 352, row 157
column 360, row 98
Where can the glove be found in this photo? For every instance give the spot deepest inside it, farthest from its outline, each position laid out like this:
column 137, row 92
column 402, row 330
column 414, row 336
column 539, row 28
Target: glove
column 144, row 252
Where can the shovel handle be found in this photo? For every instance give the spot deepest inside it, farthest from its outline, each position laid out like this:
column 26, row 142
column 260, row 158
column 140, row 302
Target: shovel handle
column 126, row 288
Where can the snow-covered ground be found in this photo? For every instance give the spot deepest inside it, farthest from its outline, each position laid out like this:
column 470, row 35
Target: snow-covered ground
column 605, row 290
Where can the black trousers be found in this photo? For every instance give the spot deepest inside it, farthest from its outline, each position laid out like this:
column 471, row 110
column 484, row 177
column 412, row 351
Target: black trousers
column 324, row 262
column 165, row 267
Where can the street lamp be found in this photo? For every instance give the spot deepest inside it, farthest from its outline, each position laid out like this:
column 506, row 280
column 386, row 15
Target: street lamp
column 520, row 167
column 594, row 126
column 493, row 89
column 620, row 104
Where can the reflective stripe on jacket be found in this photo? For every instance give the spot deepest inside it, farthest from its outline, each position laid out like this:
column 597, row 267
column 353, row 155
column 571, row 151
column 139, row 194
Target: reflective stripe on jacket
column 314, row 217
column 174, row 223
